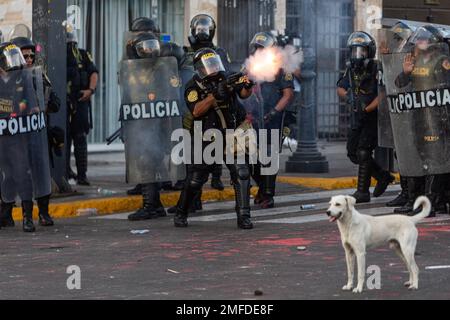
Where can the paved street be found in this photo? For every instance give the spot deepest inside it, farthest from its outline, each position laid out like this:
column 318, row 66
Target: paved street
column 212, row 259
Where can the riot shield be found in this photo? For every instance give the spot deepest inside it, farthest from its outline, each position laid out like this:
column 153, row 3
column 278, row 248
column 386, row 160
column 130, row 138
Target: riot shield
column 24, row 156
column 150, row 112
column 390, row 42
column 419, row 103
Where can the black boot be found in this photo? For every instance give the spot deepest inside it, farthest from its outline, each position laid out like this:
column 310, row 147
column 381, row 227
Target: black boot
column 44, row 217
column 416, row 188
column 6, row 219
column 81, row 160
column 148, row 210
column 27, row 211
column 197, row 202
column 216, row 182
column 242, row 195
column 384, row 179
column 362, row 194
column 180, row 219
column 160, row 211
column 269, row 183
column 136, row 191
column 402, row 198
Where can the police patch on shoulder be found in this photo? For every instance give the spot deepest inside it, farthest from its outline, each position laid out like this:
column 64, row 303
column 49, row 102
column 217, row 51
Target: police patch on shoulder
column 446, row 64
column 288, row 76
column 193, row 96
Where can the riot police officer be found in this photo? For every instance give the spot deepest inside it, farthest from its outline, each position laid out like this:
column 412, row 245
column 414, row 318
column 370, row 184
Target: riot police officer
column 213, row 102
column 203, row 30
column 24, row 157
column 167, row 49
column 273, row 99
column 82, row 78
column 360, row 88
column 28, row 49
column 145, row 45
column 427, row 66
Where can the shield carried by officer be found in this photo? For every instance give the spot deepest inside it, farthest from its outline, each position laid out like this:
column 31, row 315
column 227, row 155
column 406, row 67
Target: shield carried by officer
column 24, row 156
column 150, row 112
column 418, row 92
column 391, row 40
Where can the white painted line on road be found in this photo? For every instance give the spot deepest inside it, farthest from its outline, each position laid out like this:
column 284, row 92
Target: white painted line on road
column 437, row 267
column 296, row 198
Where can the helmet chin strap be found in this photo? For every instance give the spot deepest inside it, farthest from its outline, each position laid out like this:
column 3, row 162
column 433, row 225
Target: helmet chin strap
column 197, row 45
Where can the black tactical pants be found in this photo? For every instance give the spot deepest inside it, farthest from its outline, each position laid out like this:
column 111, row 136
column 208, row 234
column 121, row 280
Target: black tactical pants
column 267, row 183
column 198, row 176
column 78, row 128
column 361, row 144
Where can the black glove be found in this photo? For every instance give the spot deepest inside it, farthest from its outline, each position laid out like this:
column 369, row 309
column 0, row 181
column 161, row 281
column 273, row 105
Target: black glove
column 221, row 93
column 271, row 115
column 249, row 84
column 56, row 137
column 54, row 104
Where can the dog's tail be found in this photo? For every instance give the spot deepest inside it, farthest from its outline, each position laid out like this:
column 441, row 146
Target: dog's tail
column 425, row 203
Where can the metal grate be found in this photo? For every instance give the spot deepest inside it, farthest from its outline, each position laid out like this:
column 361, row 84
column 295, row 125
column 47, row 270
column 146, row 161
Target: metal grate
column 334, row 25
column 238, row 21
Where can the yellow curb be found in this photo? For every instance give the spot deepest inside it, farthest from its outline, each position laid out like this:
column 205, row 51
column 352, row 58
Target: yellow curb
column 127, row 204
column 326, row 183
column 123, row 204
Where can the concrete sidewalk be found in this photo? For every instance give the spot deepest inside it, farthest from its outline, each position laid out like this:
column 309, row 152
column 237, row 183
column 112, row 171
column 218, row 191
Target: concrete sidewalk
column 107, row 194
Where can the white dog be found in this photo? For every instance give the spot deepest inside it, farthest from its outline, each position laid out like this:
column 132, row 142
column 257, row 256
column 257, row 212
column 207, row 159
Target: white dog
column 359, row 232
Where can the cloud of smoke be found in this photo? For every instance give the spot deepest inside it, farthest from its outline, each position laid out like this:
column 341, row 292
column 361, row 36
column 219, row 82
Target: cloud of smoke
column 266, row 63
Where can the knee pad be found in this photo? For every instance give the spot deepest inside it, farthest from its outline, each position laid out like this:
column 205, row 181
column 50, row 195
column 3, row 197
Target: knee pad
column 197, row 180
column 243, row 172
column 363, row 155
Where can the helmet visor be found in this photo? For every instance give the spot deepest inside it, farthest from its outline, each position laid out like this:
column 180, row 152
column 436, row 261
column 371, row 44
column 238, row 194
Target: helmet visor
column 360, row 53
column 423, row 39
column 202, row 28
column 210, row 64
column 13, row 58
column 148, row 48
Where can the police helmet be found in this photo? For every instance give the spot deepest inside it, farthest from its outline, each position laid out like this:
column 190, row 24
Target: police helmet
column 144, row 45
column 207, row 63
column 145, row 24
column 262, row 40
column 11, row 57
column 425, row 37
column 24, row 43
column 362, row 46
column 203, row 28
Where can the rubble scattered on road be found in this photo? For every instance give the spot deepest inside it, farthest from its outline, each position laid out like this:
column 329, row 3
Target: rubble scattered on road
column 259, row 292
column 139, row 232
column 90, row 212
column 172, row 271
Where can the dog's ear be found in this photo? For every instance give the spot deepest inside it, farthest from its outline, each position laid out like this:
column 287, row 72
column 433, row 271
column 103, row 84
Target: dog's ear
column 351, row 202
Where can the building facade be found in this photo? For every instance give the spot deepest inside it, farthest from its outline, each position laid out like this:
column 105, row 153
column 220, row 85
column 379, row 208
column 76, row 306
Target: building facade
column 102, row 23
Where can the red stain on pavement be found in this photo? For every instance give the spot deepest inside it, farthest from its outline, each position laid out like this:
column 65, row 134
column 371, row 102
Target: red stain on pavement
column 429, row 231
column 285, row 242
